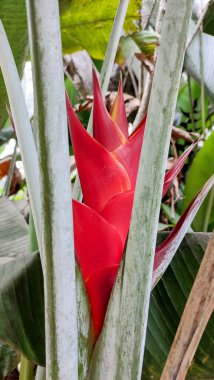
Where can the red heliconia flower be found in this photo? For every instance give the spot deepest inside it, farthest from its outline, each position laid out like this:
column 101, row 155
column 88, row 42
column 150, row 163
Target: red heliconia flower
column 107, row 165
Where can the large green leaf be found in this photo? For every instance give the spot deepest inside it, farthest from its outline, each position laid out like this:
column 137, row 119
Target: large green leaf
column 201, row 169
column 22, row 315
column 167, row 303
column 24, row 276
column 13, row 242
column 87, row 24
column 13, row 17
column 22, row 306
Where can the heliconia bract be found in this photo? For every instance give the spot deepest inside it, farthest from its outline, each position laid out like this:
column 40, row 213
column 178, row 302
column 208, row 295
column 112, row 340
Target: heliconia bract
column 107, row 165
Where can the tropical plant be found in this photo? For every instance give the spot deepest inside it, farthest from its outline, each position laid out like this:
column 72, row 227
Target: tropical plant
column 115, row 228
column 107, row 165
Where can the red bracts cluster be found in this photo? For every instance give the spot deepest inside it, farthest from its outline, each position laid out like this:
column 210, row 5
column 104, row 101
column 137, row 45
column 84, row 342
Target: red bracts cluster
column 107, row 165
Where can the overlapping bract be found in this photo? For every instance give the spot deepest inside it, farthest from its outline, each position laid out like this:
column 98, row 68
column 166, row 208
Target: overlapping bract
column 107, row 166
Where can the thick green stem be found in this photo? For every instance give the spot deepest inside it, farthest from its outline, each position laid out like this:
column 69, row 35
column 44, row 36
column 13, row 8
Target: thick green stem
column 121, row 347
column 57, row 229
column 144, row 224
column 26, row 369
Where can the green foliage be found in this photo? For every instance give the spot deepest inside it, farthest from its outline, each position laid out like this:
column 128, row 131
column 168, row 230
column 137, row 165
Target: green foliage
column 22, row 309
column 9, row 360
column 146, row 40
column 167, row 303
column 87, row 24
column 185, row 108
column 208, row 21
column 143, row 41
column 21, row 289
column 22, row 306
column 13, row 17
column 201, row 169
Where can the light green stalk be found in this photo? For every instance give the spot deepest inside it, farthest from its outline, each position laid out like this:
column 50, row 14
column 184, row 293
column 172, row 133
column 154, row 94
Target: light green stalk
column 57, row 229
column 23, row 128
column 203, row 116
column 120, row 352
column 107, row 66
column 26, row 369
column 208, row 210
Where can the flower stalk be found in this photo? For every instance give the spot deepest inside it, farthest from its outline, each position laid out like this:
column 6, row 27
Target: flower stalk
column 56, row 221
column 129, row 319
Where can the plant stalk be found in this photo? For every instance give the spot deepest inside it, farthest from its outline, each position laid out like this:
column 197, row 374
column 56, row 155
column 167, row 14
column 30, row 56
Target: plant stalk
column 208, row 210
column 191, row 102
column 203, row 116
column 23, row 128
column 26, row 369
column 56, row 221
column 126, row 322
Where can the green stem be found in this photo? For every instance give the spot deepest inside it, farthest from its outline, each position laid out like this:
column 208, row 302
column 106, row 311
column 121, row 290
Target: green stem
column 126, row 320
column 191, row 102
column 23, row 128
column 208, row 210
column 203, row 116
column 56, row 220
column 26, row 369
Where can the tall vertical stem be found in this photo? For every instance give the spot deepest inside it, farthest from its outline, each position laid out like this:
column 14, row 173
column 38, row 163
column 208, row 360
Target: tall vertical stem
column 203, row 116
column 143, row 230
column 23, row 128
column 121, row 347
column 113, row 45
column 26, row 369
column 58, row 250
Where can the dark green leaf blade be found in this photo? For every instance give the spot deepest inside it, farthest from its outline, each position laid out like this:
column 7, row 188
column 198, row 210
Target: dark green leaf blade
column 166, row 307
column 21, row 287
column 22, row 306
column 201, row 169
